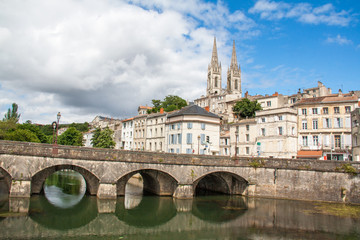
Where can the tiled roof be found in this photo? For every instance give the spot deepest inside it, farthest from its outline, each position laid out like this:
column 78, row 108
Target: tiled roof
column 327, row 99
column 193, row 110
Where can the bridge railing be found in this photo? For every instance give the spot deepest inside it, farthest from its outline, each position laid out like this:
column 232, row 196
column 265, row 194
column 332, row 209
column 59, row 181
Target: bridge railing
column 99, row 154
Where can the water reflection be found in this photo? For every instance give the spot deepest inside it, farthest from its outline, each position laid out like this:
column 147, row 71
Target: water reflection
column 133, row 191
column 65, row 188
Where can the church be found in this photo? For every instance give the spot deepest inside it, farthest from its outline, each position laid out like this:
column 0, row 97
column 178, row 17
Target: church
column 220, row 100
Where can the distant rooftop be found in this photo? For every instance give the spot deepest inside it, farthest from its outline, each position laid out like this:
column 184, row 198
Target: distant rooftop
column 193, row 110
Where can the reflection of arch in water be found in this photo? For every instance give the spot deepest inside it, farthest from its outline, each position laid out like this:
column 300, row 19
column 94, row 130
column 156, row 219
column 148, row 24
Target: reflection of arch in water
column 220, row 183
column 219, row 208
column 155, row 182
column 49, row 216
column 152, row 211
column 38, row 180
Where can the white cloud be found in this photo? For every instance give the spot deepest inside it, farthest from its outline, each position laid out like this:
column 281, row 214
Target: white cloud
column 91, row 57
column 302, row 12
column 339, row 40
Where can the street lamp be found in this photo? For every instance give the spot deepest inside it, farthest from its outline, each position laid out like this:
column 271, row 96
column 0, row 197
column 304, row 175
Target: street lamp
column 236, row 140
column 55, row 126
column 199, row 144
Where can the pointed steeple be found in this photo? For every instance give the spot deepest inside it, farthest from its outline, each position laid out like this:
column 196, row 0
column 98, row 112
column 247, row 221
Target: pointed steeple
column 214, row 58
column 233, row 57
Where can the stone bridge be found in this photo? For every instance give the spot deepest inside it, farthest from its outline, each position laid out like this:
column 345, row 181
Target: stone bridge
column 25, row 167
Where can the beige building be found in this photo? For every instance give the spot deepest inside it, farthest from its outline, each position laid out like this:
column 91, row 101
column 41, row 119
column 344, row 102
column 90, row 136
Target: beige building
column 324, row 126
column 277, row 132
column 155, row 132
column 225, row 143
column 127, row 138
column 193, row 130
column 140, row 132
column 355, row 132
column 243, row 138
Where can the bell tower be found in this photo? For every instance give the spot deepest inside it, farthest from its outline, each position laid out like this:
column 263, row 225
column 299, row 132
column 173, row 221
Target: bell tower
column 214, row 74
column 234, row 75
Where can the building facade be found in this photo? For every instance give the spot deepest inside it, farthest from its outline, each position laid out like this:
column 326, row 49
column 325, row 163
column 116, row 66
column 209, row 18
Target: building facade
column 193, row 130
column 127, row 139
column 155, row 132
column 355, row 132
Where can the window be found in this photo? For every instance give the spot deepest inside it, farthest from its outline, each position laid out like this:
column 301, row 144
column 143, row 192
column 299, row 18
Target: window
column 263, row 119
column 304, row 124
column 203, row 126
column 172, row 126
column 179, row 138
column 263, row 131
column 280, row 131
column 268, row 103
column 208, row 139
column 325, row 110
column 293, row 131
column 280, row 118
column 247, row 127
column 316, row 140
column 189, row 138
column 303, row 111
column 336, row 110
column 338, row 123
column 327, row 123
column 315, row 124
column 247, row 149
column 314, row 111
column 178, row 126
column 188, row 151
column 347, row 109
column 202, row 138
column 189, row 125
column 337, row 141
column 247, row 137
column 305, row 141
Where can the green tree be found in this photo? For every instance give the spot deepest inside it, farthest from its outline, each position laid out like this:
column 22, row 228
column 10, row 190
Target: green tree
column 246, row 108
column 12, row 114
column 35, row 129
column 71, row 137
column 5, row 128
column 170, row 103
column 103, row 138
column 22, row 135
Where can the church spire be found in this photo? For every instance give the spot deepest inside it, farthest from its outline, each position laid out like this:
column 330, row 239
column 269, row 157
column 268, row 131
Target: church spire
column 214, row 58
column 233, row 57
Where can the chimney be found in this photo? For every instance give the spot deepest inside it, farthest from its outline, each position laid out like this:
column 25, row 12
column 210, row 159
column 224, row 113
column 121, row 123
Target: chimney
column 340, row 93
column 207, row 108
column 275, row 94
column 161, row 110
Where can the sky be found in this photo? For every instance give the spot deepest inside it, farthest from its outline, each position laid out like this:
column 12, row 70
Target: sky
column 85, row 58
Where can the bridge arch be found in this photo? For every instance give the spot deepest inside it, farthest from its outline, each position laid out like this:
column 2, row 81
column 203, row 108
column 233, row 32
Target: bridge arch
column 155, row 182
column 220, row 182
column 38, row 179
column 5, row 179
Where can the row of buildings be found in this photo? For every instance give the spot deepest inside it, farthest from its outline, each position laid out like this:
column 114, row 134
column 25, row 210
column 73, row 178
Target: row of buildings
column 313, row 123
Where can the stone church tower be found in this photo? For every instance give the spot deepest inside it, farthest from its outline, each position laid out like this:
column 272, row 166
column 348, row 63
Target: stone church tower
column 214, row 74
column 234, row 75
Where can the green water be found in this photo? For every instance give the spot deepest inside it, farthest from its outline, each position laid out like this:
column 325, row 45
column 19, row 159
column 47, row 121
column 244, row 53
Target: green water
column 63, row 213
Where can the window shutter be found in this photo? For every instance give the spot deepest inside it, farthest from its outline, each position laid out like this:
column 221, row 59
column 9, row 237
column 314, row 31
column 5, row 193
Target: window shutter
column 347, row 122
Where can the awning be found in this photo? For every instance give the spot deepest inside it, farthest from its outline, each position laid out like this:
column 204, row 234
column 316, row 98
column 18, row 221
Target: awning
column 309, row 154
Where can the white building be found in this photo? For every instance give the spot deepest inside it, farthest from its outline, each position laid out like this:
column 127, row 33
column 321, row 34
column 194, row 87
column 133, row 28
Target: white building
column 193, row 130
column 127, row 138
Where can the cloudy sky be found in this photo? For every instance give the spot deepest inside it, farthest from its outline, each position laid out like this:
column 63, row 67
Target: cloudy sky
column 90, row 57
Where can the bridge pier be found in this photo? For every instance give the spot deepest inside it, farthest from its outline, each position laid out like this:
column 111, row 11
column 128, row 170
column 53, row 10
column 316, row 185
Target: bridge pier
column 184, row 191
column 20, row 188
column 107, row 191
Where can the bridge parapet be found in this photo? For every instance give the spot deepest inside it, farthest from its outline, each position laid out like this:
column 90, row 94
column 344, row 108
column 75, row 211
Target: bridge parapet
column 111, row 155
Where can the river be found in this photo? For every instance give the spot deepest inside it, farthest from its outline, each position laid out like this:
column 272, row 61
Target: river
column 64, row 212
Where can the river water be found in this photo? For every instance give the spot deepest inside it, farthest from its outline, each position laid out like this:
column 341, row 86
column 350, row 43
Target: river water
column 62, row 212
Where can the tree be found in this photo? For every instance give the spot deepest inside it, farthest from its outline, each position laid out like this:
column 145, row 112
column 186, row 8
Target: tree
column 5, row 128
column 12, row 114
column 71, row 137
column 246, row 108
column 169, row 104
column 103, row 138
column 34, row 129
column 22, row 135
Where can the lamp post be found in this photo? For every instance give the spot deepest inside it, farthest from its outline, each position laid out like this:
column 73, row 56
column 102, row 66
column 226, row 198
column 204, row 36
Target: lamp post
column 55, row 126
column 236, row 140
column 199, row 144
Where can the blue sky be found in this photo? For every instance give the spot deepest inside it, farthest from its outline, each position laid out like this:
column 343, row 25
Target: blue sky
column 87, row 57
